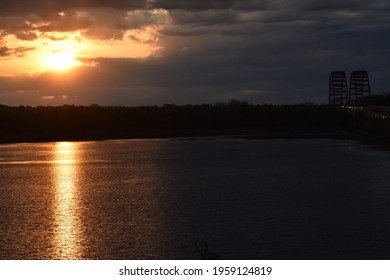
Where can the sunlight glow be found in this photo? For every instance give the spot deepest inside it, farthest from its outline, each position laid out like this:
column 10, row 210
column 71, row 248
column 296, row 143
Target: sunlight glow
column 67, row 235
column 62, row 60
column 55, row 50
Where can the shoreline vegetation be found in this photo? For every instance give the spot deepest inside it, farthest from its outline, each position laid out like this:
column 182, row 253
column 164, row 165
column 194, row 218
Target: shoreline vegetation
column 233, row 119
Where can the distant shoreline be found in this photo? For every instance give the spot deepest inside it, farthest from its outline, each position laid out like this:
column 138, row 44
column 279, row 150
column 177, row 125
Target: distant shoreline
column 380, row 143
column 234, row 119
column 246, row 133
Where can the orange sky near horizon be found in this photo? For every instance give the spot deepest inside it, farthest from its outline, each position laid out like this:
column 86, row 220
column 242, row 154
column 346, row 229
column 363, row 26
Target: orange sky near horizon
column 60, row 51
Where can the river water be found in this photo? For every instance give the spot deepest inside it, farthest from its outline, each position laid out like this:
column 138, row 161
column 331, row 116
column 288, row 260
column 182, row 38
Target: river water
column 153, row 199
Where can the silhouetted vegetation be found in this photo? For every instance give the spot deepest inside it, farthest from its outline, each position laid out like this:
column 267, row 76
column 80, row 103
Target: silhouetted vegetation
column 371, row 125
column 70, row 122
column 205, row 253
column 378, row 99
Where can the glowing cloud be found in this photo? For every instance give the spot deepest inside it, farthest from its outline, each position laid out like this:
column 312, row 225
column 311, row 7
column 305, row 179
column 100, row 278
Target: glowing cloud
column 32, row 45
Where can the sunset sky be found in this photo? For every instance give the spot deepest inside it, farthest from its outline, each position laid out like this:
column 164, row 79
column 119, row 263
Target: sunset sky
column 125, row 52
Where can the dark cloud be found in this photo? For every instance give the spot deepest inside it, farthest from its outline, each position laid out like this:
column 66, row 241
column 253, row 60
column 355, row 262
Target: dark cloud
column 205, row 17
column 68, row 22
column 97, row 23
column 20, row 51
column 342, row 5
column 47, row 8
column 195, row 4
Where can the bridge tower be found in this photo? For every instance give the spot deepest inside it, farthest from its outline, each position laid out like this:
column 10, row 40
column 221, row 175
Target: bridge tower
column 338, row 90
column 359, row 87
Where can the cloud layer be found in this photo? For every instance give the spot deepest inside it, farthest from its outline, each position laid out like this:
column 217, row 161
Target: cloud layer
column 260, row 51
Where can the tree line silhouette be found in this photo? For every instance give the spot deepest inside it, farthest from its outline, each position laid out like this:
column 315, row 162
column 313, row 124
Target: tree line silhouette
column 70, row 122
column 378, row 99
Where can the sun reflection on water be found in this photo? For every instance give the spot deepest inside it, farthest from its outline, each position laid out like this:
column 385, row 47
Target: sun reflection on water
column 67, row 238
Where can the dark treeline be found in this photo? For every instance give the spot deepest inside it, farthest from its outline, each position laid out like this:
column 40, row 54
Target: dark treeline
column 378, row 99
column 70, row 122
column 73, row 122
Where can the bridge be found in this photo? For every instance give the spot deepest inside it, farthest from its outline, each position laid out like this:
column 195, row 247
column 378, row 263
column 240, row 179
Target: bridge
column 359, row 88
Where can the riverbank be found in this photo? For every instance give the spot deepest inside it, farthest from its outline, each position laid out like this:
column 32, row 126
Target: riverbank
column 247, row 133
column 80, row 123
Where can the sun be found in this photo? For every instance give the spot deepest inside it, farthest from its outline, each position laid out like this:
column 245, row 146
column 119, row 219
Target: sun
column 62, row 60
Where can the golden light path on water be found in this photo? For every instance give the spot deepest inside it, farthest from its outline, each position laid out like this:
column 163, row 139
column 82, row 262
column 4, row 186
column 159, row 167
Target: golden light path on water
column 67, row 237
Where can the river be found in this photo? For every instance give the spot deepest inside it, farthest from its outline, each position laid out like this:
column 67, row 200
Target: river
column 156, row 198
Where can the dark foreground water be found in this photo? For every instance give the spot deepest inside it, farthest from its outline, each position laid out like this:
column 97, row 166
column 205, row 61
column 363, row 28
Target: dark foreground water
column 153, row 199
